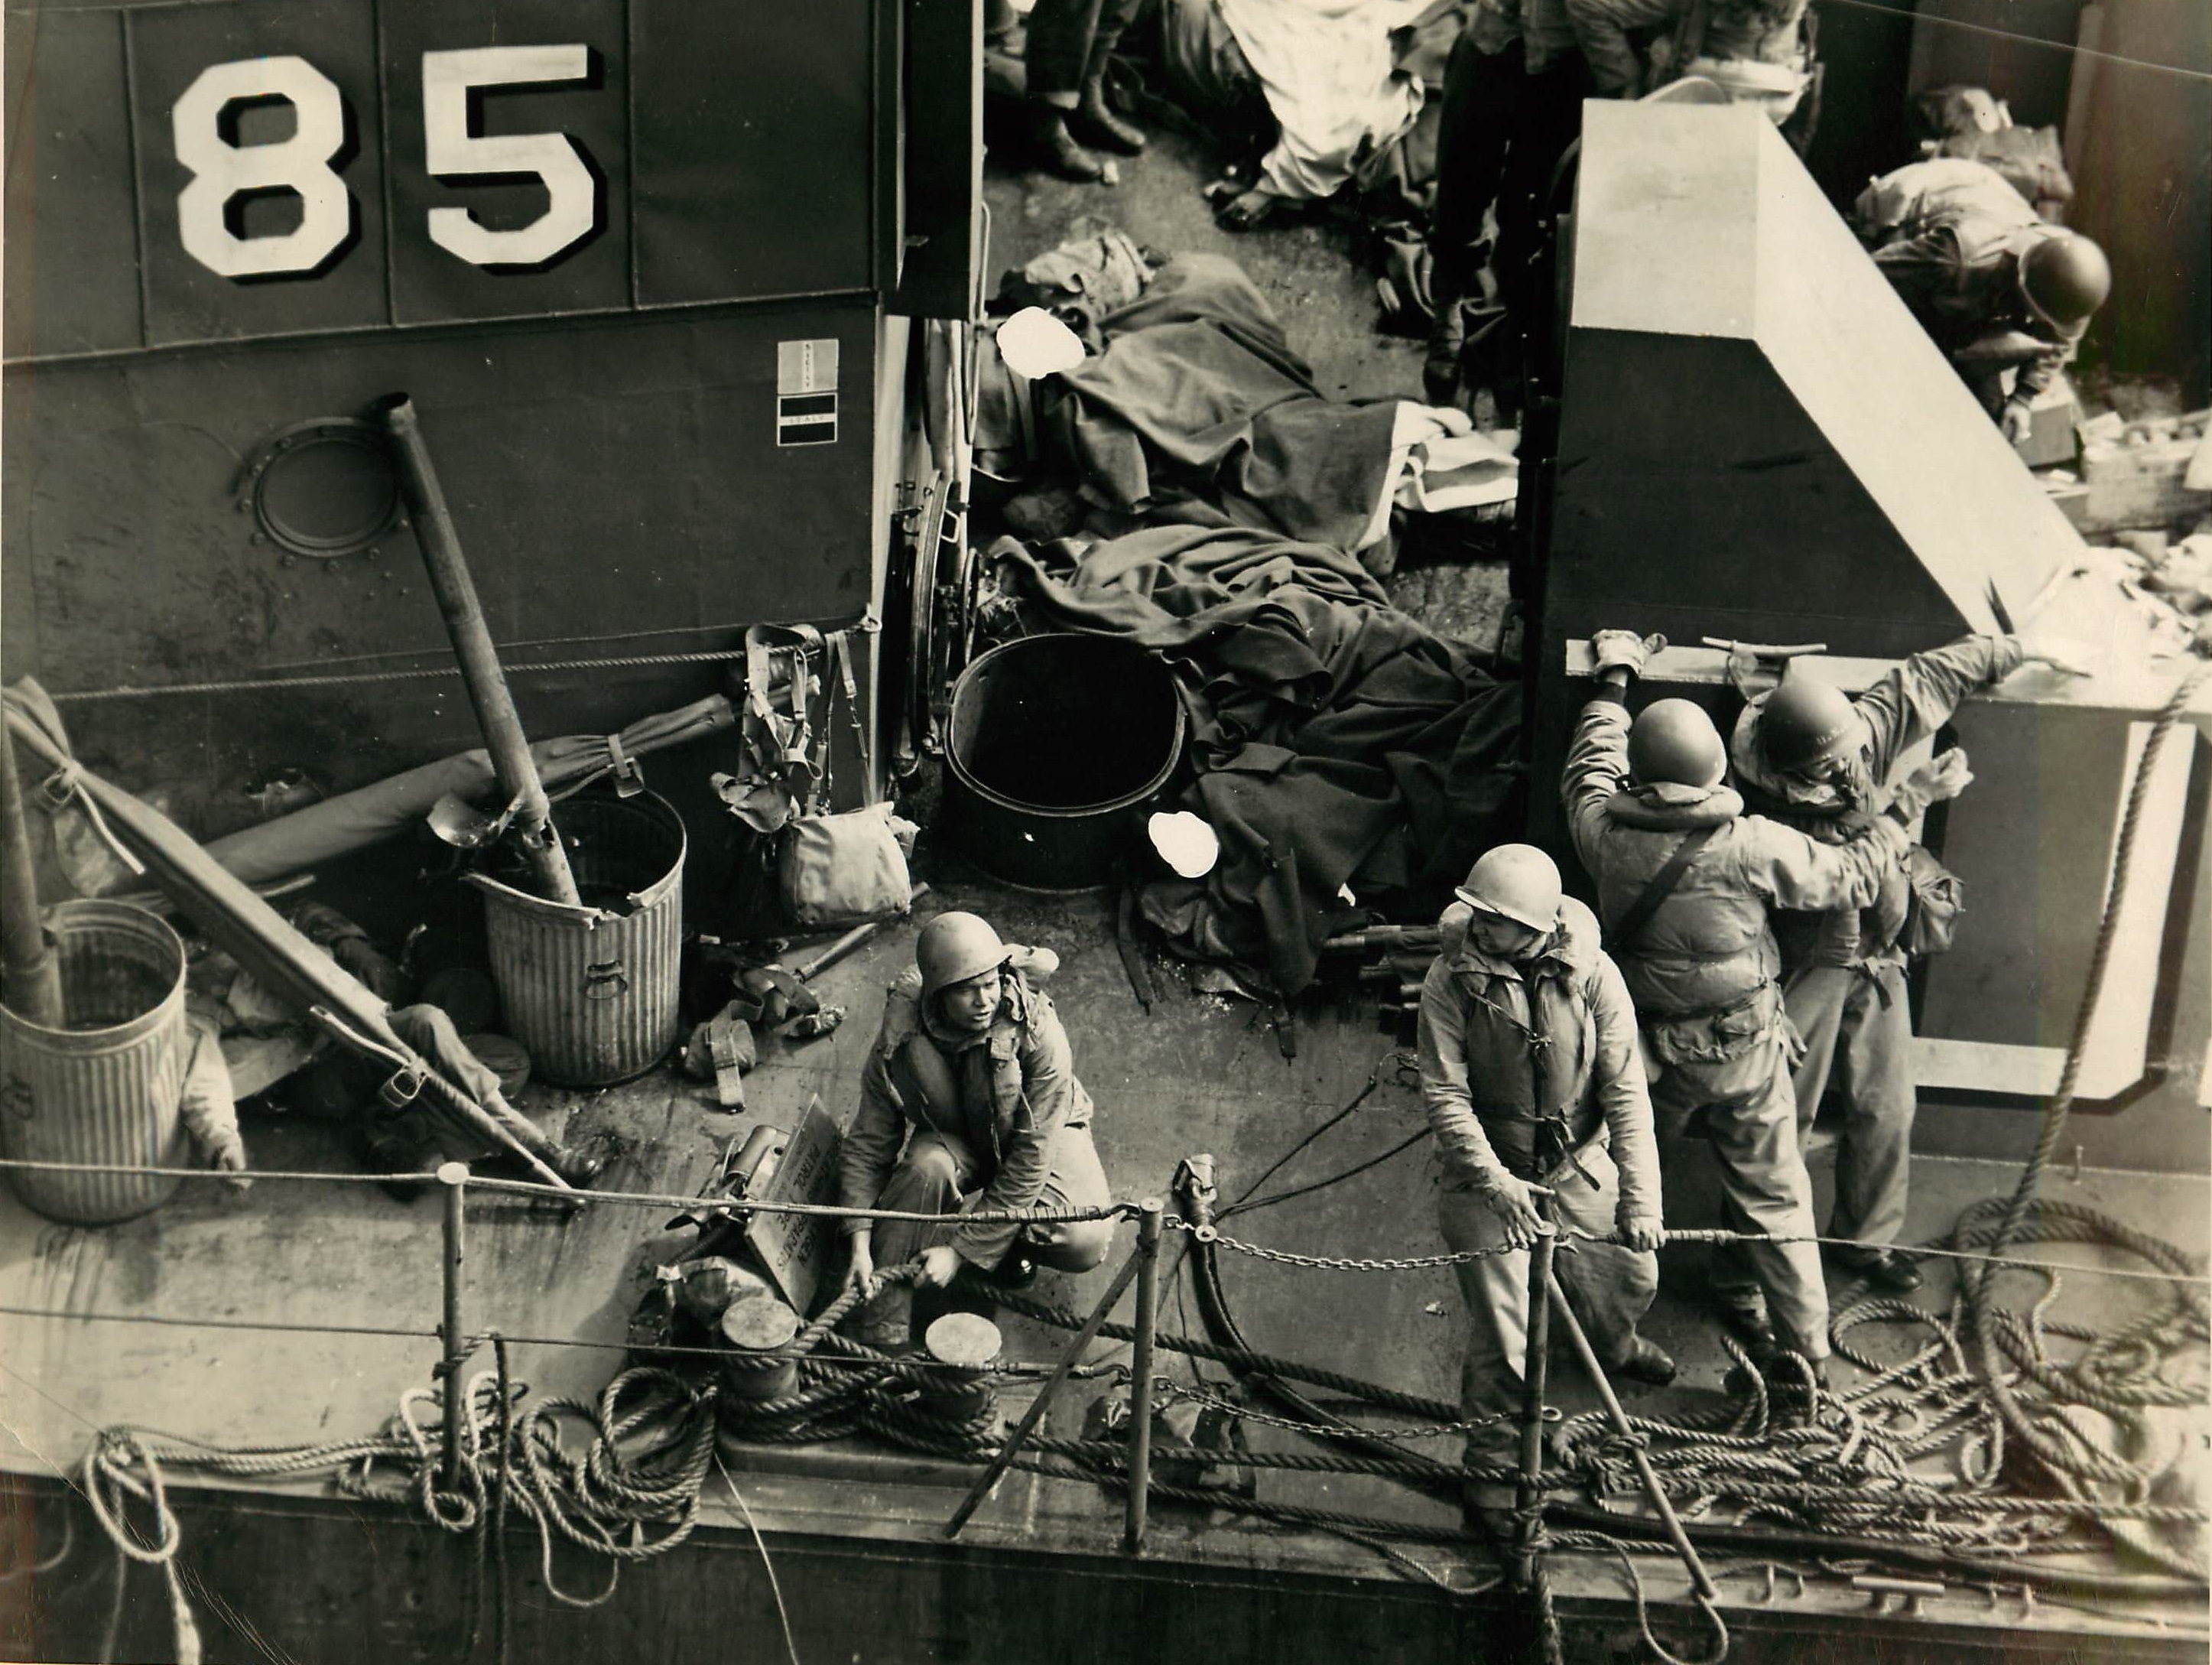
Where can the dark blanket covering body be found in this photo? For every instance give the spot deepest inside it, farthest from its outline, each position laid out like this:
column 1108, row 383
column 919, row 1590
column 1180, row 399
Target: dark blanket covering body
column 1334, row 740
column 1198, row 402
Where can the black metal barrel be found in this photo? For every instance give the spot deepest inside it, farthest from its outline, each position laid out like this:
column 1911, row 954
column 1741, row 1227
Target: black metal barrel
column 1056, row 744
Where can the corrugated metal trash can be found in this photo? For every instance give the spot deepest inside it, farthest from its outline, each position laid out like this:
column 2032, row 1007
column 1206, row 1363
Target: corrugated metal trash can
column 107, row 1088
column 591, row 991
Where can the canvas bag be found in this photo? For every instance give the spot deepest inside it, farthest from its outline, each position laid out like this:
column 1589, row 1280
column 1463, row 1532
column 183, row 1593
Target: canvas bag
column 848, row 869
column 1931, row 917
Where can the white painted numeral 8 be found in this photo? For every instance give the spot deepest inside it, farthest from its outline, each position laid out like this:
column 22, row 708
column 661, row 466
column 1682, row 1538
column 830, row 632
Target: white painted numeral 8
column 223, row 171
column 452, row 151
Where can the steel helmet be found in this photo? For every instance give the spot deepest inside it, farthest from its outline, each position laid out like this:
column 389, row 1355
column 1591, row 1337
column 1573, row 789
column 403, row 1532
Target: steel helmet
column 1673, row 741
column 1518, row 880
column 1805, row 724
column 953, row 947
column 2064, row 278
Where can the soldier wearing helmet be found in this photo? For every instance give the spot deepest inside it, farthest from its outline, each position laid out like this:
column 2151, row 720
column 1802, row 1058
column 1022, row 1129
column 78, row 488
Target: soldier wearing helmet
column 969, row 1092
column 1814, row 758
column 1531, row 1076
column 1995, row 286
column 1683, row 881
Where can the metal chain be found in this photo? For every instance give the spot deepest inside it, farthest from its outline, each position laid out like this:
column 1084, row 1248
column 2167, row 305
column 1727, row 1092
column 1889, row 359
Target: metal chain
column 1571, row 1237
column 1336, row 1262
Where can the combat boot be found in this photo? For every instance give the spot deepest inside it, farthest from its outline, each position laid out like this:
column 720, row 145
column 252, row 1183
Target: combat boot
column 1056, row 147
column 1440, row 368
column 1096, row 120
column 1648, row 1363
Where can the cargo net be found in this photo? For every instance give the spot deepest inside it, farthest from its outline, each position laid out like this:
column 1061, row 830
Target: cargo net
column 2008, row 1451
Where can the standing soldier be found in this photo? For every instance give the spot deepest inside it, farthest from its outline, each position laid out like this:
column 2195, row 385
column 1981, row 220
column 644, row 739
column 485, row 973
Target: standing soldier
column 1531, row 1078
column 969, row 1089
column 1683, row 881
column 1811, row 757
column 1070, row 42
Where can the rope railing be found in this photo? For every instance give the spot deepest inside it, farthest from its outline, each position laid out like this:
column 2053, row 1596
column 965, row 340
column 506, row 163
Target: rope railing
column 1116, row 1210
column 577, row 1198
column 625, row 1504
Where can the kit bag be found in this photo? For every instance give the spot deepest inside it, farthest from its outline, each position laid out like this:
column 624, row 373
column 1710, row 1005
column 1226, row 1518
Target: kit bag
column 1931, row 914
column 836, row 870
column 842, row 870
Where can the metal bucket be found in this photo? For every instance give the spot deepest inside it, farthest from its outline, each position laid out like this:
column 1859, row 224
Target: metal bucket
column 1054, row 744
column 107, row 1088
column 591, row 991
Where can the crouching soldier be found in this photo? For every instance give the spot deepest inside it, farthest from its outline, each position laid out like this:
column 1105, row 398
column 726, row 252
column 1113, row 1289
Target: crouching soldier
column 1532, row 1081
column 969, row 1093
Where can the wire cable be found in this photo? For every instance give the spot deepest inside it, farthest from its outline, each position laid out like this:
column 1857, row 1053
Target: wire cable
column 2184, row 72
column 774, row 1585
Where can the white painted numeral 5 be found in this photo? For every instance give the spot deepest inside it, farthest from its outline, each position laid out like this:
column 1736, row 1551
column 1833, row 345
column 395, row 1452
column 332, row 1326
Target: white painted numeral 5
column 221, row 171
column 452, row 151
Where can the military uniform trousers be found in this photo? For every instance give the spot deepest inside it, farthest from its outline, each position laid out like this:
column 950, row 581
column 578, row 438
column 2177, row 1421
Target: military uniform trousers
column 1751, row 1121
column 936, row 1171
column 1857, row 1029
column 1609, row 1287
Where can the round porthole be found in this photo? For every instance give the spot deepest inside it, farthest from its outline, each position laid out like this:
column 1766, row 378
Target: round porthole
column 325, row 489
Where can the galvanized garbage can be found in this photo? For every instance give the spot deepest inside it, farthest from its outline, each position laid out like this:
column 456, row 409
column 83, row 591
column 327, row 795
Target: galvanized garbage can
column 106, row 1088
column 591, row 992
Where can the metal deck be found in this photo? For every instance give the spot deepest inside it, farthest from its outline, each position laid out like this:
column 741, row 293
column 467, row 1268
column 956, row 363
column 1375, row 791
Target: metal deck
column 1196, row 1075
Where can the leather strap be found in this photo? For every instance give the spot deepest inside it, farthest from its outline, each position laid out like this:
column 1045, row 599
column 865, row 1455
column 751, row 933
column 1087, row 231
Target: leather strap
column 1660, row 887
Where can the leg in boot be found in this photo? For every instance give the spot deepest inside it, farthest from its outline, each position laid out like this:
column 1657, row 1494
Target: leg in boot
column 1061, row 40
column 928, row 1180
column 1095, row 119
column 1054, row 147
column 1447, row 335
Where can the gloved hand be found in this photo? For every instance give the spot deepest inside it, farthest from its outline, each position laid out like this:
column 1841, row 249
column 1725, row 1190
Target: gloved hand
column 1514, row 1202
column 1938, row 780
column 1639, row 1232
column 1624, row 649
column 2018, row 421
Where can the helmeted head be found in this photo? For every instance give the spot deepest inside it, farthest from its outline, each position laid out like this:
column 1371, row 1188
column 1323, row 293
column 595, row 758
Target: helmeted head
column 1777, row 88
column 1674, row 742
column 960, row 958
column 2064, row 278
column 1805, row 727
column 1514, row 891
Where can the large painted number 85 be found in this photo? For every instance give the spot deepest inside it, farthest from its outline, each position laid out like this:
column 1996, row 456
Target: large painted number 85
column 222, row 172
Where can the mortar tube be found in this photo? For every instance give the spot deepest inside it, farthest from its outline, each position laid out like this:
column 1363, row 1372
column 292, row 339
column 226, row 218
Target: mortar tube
column 33, row 989
column 441, row 544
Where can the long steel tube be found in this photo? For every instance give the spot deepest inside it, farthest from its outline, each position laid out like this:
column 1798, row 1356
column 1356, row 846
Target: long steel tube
column 511, row 762
column 33, row 989
column 1150, row 1221
column 1587, row 1356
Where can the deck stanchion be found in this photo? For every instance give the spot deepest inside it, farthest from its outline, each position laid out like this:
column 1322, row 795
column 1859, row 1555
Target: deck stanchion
column 1014, row 1441
column 1528, row 1572
column 1150, row 1221
column 455, row 1176
column 1529, row 1495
